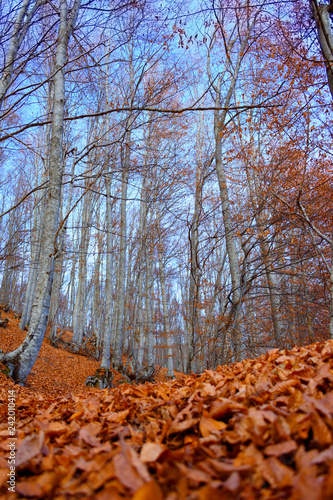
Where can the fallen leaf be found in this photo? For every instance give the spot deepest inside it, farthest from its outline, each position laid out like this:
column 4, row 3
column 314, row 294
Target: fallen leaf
column 277, row 474
column 208, row 425
column 275, row 450
column 150, row 452
column 233, row 482
column 86, row 436
column 149, row 491
column 129, row 470
column 29, row 448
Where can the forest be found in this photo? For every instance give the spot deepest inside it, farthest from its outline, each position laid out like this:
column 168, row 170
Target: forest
column 166, row 180
column 166, row 249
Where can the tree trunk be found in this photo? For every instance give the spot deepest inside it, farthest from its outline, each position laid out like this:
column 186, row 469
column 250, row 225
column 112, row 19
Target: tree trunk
column 79, row 314
column 20, row 28
column 58, row 271
column 166, row 319
column 219, row 124
column 25, row 356
column 321, row 14
column 121, row 278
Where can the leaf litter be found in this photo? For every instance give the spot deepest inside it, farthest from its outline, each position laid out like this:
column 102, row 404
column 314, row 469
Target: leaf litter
column 258, row 429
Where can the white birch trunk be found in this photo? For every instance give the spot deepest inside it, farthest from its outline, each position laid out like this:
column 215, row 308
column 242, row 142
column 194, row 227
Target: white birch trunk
column 121, row 278
column 34, row 264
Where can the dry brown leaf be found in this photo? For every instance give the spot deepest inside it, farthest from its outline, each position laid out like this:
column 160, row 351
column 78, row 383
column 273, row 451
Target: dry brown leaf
column 225, row 407
column 233, row 482
column 275, row 450
column 308, row 486
column 186, row 424
column 324, row 373
column 208, row 425
column 150, row 452
column 29, row 488
column 56, row 428
column 277, row 474
column 129, row 470
column 96, row 479
column 29, row 448
column 321, row 432
column 86, row 435
column 325, row 404
column 148, row 491
column 119, row 416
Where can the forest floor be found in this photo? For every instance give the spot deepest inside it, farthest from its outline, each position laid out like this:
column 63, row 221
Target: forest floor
column 258, row 429
column 58, row 371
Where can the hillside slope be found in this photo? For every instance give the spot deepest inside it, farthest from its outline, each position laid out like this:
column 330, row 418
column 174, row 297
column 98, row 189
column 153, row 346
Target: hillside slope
column 57, row 371
column 259, row 429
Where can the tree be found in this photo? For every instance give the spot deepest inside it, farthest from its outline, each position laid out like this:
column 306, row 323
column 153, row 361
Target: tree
column 321, row 14
column 25, row 356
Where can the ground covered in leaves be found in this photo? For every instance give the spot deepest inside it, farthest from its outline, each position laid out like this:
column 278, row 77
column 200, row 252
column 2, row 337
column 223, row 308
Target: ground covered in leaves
column 57, row 371
column 259, row 429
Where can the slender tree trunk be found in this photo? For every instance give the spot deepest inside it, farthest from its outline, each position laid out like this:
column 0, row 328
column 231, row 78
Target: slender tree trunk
column 96, row 299
column 25, row 356
column 20, row 28
column 321, row 14
column 230, row 243
column 166, row 319
column 149, row 291
column 195, row 275
column 142, row 255
column 273, row 282
column 219, row 123
column 59, row 261
column 117, row 362
column 106, row 356
column 79, row 308
column 121, row 278
column 33, row 269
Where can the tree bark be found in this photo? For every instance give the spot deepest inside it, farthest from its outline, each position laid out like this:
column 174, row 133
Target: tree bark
column 321, row 14
column 121, row 278
column 166, row 319
column 20, row 28
column 26, row 355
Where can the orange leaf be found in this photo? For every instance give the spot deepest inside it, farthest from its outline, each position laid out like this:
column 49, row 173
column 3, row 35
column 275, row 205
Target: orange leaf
column 275, row 450
column 209, row 425
column 130, row 471
column 118, row 416
column 150, row 452
column 29, row 448
column 150, row 491
column 277, row 474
